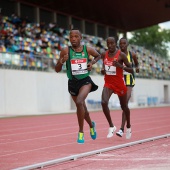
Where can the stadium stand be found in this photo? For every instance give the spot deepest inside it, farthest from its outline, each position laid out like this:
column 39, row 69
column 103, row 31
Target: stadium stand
column 32, row 46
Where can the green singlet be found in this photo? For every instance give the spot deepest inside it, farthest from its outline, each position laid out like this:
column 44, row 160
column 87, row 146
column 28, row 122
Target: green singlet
column 77, row 64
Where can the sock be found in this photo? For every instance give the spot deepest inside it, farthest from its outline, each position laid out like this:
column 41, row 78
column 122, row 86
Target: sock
column 122, row 129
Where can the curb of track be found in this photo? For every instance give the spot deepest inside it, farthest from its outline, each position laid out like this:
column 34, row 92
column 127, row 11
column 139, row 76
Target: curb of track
column 99, row 151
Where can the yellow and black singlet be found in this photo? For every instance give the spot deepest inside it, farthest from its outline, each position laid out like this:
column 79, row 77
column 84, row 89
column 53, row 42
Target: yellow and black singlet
column 128, row 77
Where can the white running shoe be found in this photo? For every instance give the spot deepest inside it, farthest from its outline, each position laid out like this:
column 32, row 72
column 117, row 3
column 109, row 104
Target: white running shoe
column 111, row 131
column 128, row 133
column 119, row 133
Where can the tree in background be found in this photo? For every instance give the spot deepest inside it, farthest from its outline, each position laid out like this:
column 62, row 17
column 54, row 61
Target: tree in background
column 152, row 38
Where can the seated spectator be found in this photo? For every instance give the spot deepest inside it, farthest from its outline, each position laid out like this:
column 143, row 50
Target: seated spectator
column 39, row 45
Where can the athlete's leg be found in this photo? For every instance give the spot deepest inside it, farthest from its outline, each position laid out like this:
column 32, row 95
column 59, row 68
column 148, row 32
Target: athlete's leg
column 92, row 125
column 125, row 108
column 129, row 91
column 87, row 116
column 79, row 101
column 106, row 94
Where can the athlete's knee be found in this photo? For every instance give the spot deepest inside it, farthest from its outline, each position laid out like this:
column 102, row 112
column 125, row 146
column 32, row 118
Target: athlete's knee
column 128, row 97
column 124, row 107
column 79, row 102
column 104, row 102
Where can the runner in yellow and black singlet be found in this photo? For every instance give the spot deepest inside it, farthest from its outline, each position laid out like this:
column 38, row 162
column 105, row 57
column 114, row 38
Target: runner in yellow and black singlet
column 128, row 78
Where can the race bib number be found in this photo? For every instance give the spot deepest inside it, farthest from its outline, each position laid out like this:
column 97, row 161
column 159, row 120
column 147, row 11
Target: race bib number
column 79, row 66
column 110, row 70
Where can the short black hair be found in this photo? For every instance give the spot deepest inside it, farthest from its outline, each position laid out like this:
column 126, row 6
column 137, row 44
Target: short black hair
column 75, row 29
column 112, row 38
column 123, row 38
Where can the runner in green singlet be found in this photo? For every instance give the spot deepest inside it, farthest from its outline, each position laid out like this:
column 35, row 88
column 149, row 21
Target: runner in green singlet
column 79, row 82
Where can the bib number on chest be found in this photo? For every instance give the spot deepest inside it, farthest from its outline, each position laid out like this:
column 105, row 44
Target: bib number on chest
column 79, row 66
column 110, row 70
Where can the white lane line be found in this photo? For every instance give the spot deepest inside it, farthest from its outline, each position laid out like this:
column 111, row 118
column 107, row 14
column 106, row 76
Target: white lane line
column 68, row 127
column 35, row 126
column 38, row 149
column 66, row 134
column 24, row 133
column 54, row 123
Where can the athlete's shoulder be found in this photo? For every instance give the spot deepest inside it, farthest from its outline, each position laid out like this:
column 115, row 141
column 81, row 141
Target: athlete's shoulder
column 122, row 54
column 103, row 54
column 89, row 48
column 92, row 51
column 132, row 53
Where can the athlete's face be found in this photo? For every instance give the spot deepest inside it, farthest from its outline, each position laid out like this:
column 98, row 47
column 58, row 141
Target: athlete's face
column 75, row 38
column 111, row 44
column 123, row 44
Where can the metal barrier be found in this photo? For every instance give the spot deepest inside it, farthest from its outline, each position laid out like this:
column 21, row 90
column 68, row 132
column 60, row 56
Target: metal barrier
column 26, row 61
column 74, row 157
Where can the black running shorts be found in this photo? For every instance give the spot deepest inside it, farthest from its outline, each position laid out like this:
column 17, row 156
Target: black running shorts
column 75, row 85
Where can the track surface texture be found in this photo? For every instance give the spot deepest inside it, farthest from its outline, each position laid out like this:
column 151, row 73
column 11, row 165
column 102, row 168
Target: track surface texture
column 30, row 140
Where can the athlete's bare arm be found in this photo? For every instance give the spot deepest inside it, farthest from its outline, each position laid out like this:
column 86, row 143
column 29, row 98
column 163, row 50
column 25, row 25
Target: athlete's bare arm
column 63, row 58
column 128, row 67
column 136, row 62
column 123, row 59
column 102, row 57
column 92, row 52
